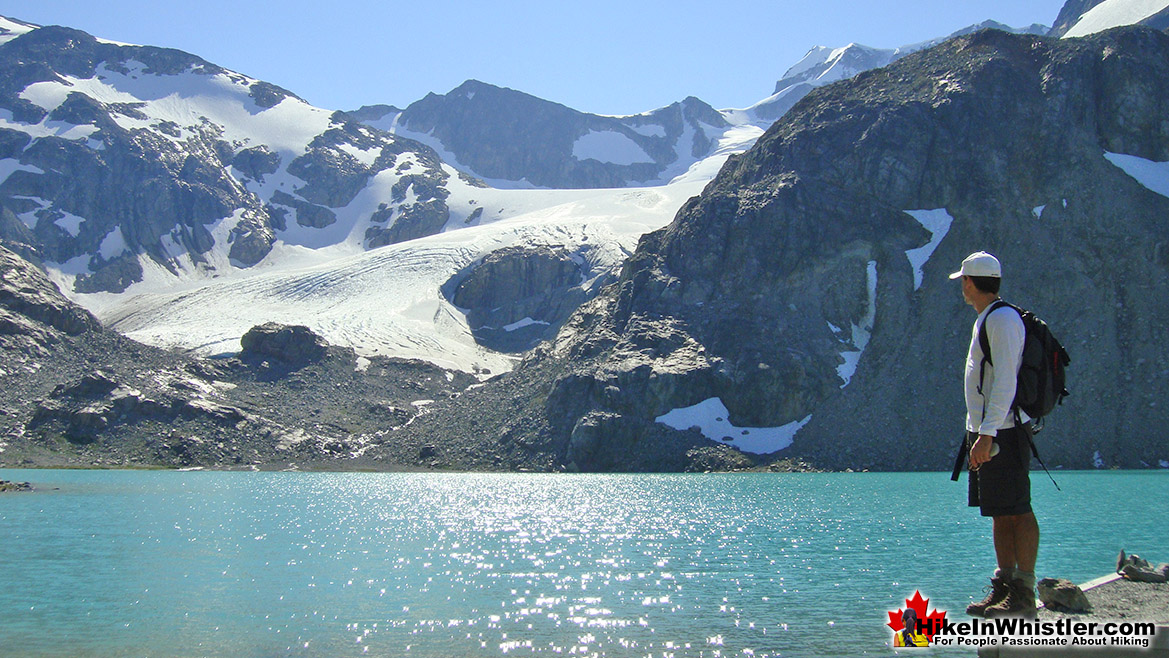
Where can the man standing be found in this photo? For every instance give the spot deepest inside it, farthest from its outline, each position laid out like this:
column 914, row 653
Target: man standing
column 999, row 439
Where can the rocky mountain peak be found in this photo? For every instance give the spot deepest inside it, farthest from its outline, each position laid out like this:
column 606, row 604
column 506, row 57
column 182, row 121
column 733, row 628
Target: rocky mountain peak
column 823, row 65
column 515, row 139
column 800, row 302
column 71, row 52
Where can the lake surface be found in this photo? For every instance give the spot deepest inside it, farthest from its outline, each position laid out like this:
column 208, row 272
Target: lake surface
column 122, row 563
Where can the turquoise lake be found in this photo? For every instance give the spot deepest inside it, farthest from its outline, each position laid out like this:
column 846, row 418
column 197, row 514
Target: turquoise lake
column 125, row 563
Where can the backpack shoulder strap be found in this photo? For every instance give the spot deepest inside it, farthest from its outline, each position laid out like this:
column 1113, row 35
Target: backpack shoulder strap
column 984, row 338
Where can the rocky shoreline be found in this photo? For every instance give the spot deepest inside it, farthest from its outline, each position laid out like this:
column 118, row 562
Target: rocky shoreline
column 1114, row 598
column 1117, row 598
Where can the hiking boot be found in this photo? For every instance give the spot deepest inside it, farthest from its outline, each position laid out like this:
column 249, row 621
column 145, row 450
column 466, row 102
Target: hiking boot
column 1020, row 602
column 998, row 592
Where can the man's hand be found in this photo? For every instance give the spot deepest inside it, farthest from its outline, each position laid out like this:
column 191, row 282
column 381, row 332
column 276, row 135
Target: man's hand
column 980, row 451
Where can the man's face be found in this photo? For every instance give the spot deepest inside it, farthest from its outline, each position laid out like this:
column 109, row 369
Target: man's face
column 967, row 290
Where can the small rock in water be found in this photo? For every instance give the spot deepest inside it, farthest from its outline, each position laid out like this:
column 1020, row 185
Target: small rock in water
column 5, row 485
column 1062, row 595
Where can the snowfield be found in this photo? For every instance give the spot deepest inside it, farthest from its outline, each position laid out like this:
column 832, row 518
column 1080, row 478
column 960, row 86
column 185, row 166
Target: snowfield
column 937, row 222
column 609, row 146
column 1114, row 13
column 1152, row 175
column 712, row 419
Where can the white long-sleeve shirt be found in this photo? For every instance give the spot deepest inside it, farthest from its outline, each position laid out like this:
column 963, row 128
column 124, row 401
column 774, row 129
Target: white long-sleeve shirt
column 990, row 411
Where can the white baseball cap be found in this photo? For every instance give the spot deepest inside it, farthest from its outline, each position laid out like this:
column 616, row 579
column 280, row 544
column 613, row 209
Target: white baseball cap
column 979, row 263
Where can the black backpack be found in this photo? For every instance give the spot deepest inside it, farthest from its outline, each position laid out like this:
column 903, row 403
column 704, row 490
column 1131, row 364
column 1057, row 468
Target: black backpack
column 1042, row 381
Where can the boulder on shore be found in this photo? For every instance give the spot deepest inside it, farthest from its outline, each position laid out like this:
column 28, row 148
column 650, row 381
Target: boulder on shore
column 1062, row 595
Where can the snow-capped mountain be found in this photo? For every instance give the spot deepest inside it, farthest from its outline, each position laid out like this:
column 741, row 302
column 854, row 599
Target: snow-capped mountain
column 513, row 139
column 124, row 163
column 185, row 204
column 475, row 126
column 823, row 65
column 398, row 300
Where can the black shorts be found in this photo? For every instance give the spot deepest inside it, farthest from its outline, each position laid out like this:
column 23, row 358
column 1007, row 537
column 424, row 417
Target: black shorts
column 1002, row 486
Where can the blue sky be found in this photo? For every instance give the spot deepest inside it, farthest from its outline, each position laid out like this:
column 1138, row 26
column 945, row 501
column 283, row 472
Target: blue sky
column 601, row 56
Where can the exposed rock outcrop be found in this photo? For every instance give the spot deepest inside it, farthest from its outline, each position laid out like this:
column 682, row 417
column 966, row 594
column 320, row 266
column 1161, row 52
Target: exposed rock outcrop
column 291, row 344
column 1136, row 568
column 7, row 486
column 33, row 313
column 517, row 296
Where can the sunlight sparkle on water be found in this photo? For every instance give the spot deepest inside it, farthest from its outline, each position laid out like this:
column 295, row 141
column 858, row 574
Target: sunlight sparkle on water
column 230, row 564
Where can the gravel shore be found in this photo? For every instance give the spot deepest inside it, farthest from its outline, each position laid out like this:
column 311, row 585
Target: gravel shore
column 1115, row 598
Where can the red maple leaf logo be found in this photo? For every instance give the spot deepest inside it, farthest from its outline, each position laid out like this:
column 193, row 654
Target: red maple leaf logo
column 931, row 623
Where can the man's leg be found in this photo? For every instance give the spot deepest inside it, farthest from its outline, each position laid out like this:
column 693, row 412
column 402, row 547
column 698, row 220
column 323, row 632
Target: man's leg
column 1026, row 542
column 1004, row 545
column 1016, row 543
column 1004, row 550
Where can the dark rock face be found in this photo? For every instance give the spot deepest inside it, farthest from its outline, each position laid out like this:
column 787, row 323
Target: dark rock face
column 29, row 299
column 748, row 295
column 15, row 235
column 178, row 188
column 518, row 296
column 500, row 133
column 1158, row 21
column 294, row 344
column 256, row 162
column 426, row 215
column 252, row 238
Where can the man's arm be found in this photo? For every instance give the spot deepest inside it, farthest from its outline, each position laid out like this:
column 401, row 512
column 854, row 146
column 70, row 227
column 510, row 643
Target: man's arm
column 1005, row 330
column 1006, row 334
column 980, row 451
